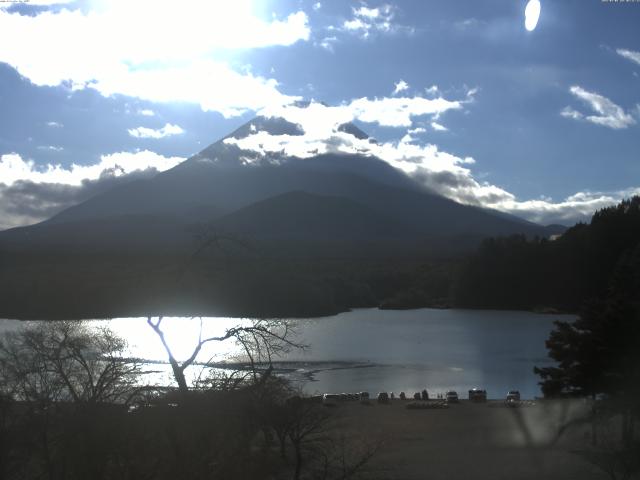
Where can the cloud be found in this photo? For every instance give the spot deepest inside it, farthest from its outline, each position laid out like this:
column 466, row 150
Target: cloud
column 439, row 128
column 367, row 21
column 576, row 208
column 608, row 113
column 328, row 43
column 434, row 90
column 146, row 112
column 166, row 131
column 400, row 111
column 55, row 124
column 26, row 202
column 385, row 111
column 50, row 148
column 400, row 86
column 438, row 171
column 39, row 3
column 569, row 112
column 30, row 193
column 467, row 23
column 142, row 60
column 14, row 168
column 629, row 55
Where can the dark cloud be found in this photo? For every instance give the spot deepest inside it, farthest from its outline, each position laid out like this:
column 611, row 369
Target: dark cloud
column 26, row 201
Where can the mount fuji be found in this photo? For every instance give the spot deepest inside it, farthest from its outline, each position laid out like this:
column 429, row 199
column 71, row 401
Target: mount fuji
column 333, row 197
column 312, row 233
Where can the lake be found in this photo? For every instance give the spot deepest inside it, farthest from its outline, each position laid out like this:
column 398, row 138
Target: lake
column 375, row 350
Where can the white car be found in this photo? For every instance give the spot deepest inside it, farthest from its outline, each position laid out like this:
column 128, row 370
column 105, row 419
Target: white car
column 513, row 396
column 452, row 396
column 330, row 399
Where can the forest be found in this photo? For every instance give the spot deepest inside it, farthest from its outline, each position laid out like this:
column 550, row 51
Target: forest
column 540, row 274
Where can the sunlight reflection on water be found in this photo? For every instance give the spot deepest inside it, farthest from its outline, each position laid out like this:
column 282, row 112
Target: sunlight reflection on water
column 371, row 350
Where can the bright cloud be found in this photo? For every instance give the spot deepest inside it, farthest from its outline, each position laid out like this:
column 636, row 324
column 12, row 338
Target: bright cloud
column 432, row 90
column 123, row 52
column 608, row 114
column 629, row 55
column 166, row 131
column 31, row 193
column 400, row 86
column 13, row 168
column 439, row 171
column 399, row 111
column 368, row 20
column 569, row 112
column 385, row 111
column 577, row 207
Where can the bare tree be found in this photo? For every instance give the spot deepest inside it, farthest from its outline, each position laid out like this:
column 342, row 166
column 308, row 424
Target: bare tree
column 59, row 382
column 319, row 447
column 307, row 428
column 620, row 460
column 66, row 361
column 261, row 341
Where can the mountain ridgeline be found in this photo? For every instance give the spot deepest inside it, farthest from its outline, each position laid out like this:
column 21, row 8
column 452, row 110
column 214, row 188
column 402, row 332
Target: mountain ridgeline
column 289, row 236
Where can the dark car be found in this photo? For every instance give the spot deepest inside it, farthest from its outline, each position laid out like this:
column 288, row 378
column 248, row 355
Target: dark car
column 477, row 395
column 383, row 397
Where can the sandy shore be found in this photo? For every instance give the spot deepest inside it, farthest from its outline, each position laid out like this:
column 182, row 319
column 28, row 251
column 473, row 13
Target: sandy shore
column 472, row 441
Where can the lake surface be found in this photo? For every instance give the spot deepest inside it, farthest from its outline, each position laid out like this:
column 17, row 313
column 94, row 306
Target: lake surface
column 375, row 350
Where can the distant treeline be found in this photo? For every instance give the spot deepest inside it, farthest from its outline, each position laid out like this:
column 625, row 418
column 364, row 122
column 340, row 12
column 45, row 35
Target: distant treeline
column 520, row 273
column 80, row 286
column 513, row 272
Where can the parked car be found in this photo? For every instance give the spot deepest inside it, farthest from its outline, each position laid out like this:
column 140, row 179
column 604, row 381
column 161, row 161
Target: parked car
column 330, row 399
column 513, row 398
column 477, row 395
column 383, row 397
column 452, row 396
column 513, row 395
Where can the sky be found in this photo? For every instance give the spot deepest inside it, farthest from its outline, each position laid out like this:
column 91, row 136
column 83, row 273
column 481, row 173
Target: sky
column 474, row 98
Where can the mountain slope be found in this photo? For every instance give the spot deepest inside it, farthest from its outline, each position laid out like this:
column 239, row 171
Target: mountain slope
column 319, row 235
column 304, row 216
column 223, row 178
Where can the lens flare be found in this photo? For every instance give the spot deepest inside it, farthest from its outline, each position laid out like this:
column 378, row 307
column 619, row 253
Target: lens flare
column 532, row 14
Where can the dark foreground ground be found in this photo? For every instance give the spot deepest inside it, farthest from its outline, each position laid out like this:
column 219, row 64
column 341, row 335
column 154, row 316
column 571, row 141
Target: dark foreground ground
column 473, row 441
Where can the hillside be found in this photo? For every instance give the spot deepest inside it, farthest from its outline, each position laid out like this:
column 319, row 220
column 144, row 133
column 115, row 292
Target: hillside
column 341, row 230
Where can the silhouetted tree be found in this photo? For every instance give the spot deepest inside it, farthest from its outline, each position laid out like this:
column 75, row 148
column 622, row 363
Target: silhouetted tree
column 597, row 354
column 67, row 361
column 65, row 389
column 261, row 341
column 524, row 273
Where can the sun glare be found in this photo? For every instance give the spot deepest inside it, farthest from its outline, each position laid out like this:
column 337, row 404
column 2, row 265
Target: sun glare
column 532, row 15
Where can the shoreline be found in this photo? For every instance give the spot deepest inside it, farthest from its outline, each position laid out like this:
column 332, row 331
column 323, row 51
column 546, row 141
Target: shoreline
column 214, row 314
